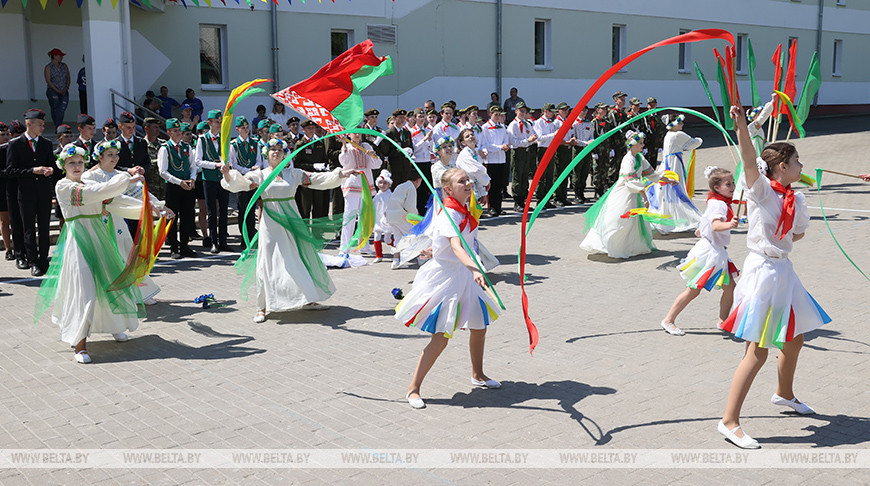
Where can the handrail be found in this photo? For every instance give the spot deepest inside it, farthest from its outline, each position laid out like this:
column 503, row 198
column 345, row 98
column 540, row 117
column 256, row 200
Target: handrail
column 139, row 120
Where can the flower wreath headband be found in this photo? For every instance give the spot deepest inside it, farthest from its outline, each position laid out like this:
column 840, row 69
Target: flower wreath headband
column 676, row 121
column 632, row 138
column 272, row 143
column 443, row 142
column 103, row 146
column 68, row 151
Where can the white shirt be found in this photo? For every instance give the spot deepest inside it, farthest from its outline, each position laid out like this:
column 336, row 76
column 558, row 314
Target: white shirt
column 546, row 131
column 584, row 132
column 422, row 148
column 519, row 133
column 492, row 137
column 468, row 161
column 234, row 158
column 197, row 160
column 163, row 164
column 445, row 130
column 764, row 206
column 716, row 210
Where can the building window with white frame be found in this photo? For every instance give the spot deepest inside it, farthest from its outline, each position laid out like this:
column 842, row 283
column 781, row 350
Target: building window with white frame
column 742, row 57
column 212, row 56
column 837, row 69
column 685, row 56
column 542, row 44
column 340, row 41
column 617, row 51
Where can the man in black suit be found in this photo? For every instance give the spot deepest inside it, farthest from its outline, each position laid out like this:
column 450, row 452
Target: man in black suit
column 134, row 149
column 314, row 203
column 400, row 166
column 30, row 158
column 10, row 195
column 87, row 127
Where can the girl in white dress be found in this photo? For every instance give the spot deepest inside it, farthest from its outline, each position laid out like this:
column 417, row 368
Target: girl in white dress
column 772, row 308
column 608, row 230
column 448, row 291
column 382, row 232
column 674, row 199
column 107, row 156
column 359, row 161
column 81, row 280
column 469, row 161
column 289, row 272
column 707, row 265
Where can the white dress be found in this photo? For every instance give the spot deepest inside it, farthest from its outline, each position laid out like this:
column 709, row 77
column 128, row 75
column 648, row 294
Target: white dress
column 672, row 198
column 445, row 296
column 609, row 232
column 147, row 287
column 401, row 204
column 81, row 307
column 771, row 306
column 468, row 161
column 289, row 272
column 382, row 230
column 707, row 265
column 351, row 157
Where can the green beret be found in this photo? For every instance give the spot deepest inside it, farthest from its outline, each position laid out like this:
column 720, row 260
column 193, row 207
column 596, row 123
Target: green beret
column 173, row 123
column 185, row 127
column 263, row 124
column 275, row 128
column 472, row 108
column 201, row 126
column 241, row 121
column 307, row 123
column 214, row 114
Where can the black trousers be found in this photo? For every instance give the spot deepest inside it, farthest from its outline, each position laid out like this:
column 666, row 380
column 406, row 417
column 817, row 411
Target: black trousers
column 423, row 191
column 337, row 201
column 15, row 220
column 217, row 201
column 35, row 210
column 314, row 203
column 182, row 203
column 499, row 175
column 251, row 221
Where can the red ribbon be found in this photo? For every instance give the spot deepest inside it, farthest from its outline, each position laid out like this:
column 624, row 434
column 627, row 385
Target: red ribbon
column 694, row 36
column 786, row 219
column 467, row 217
column 727, row 200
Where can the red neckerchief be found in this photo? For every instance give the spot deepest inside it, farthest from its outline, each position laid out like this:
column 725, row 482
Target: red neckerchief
column 727, row 200
column 786, row 219
column 467, row 217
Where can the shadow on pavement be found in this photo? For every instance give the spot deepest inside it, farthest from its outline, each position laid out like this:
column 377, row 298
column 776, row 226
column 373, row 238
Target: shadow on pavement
column 141, row 348
column 165, row 312
column 336, row 316
column 838, row 431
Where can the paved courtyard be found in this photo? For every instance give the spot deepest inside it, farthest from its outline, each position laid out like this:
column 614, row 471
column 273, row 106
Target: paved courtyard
column 604, row 378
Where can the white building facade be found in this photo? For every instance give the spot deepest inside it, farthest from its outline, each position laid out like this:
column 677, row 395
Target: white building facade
column 551, row 50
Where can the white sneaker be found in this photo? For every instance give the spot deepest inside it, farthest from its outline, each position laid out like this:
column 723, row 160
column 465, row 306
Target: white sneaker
column 260, row 317
column 744, row 442
column 83, row 357
column 794, row 404
column 121, row 337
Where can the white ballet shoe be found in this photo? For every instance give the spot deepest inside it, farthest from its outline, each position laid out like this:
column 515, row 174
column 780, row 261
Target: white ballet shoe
column 415, row 402
column 490, row 383
column 260, row 317
column 744, row 442
column 121, row 337
column 672, row 329
column 83, row 357
column 794, row 404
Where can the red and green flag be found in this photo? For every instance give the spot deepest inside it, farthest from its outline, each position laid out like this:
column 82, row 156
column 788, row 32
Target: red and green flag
column 331, row 97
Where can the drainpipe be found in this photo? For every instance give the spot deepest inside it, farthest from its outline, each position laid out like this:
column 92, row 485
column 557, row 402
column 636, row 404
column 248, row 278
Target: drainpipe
column 275, row 47
column 127, row 62
column 498, row 19
column 819, row 43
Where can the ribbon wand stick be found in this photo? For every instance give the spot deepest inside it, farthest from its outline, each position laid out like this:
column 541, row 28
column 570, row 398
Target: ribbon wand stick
column 739, row 205
column 842, row 174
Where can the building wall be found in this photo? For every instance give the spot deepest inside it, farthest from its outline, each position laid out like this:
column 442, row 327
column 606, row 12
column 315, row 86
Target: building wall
column 446, row 48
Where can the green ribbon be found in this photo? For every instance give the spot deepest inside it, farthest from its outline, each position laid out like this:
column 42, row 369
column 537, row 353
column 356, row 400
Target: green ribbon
column 819, row 190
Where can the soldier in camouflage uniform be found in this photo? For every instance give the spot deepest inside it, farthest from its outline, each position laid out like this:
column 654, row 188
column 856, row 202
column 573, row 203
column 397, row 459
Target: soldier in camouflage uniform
column 655, row 132
column 616, row 117
column 600, row 155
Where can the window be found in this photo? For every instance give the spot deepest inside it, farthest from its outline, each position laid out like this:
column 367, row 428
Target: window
column 838, row 58
column 542, row 44
column 685, row 58
column 340, row 41
column 618, row 44
column 742, row 57
column 212, row 56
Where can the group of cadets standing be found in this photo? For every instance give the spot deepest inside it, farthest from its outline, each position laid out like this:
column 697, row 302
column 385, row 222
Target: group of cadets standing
column 185, row 168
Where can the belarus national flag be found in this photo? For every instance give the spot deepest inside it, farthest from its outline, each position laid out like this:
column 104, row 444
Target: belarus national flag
column 331, row 98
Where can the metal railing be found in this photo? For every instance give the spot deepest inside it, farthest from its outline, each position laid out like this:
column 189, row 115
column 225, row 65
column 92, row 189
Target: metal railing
column 139, row 113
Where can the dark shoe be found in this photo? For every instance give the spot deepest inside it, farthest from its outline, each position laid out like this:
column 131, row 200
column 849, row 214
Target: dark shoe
column 215, row 249
column 582, row 200
column 206, row 242
column 22, row 264
column 36, row 271
column 518, row 208
column 10, row 255
column 226, row 247
column 558, row 204
column 196, row 236
column 188, row 253
column 175, row 255
column 493, row 213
